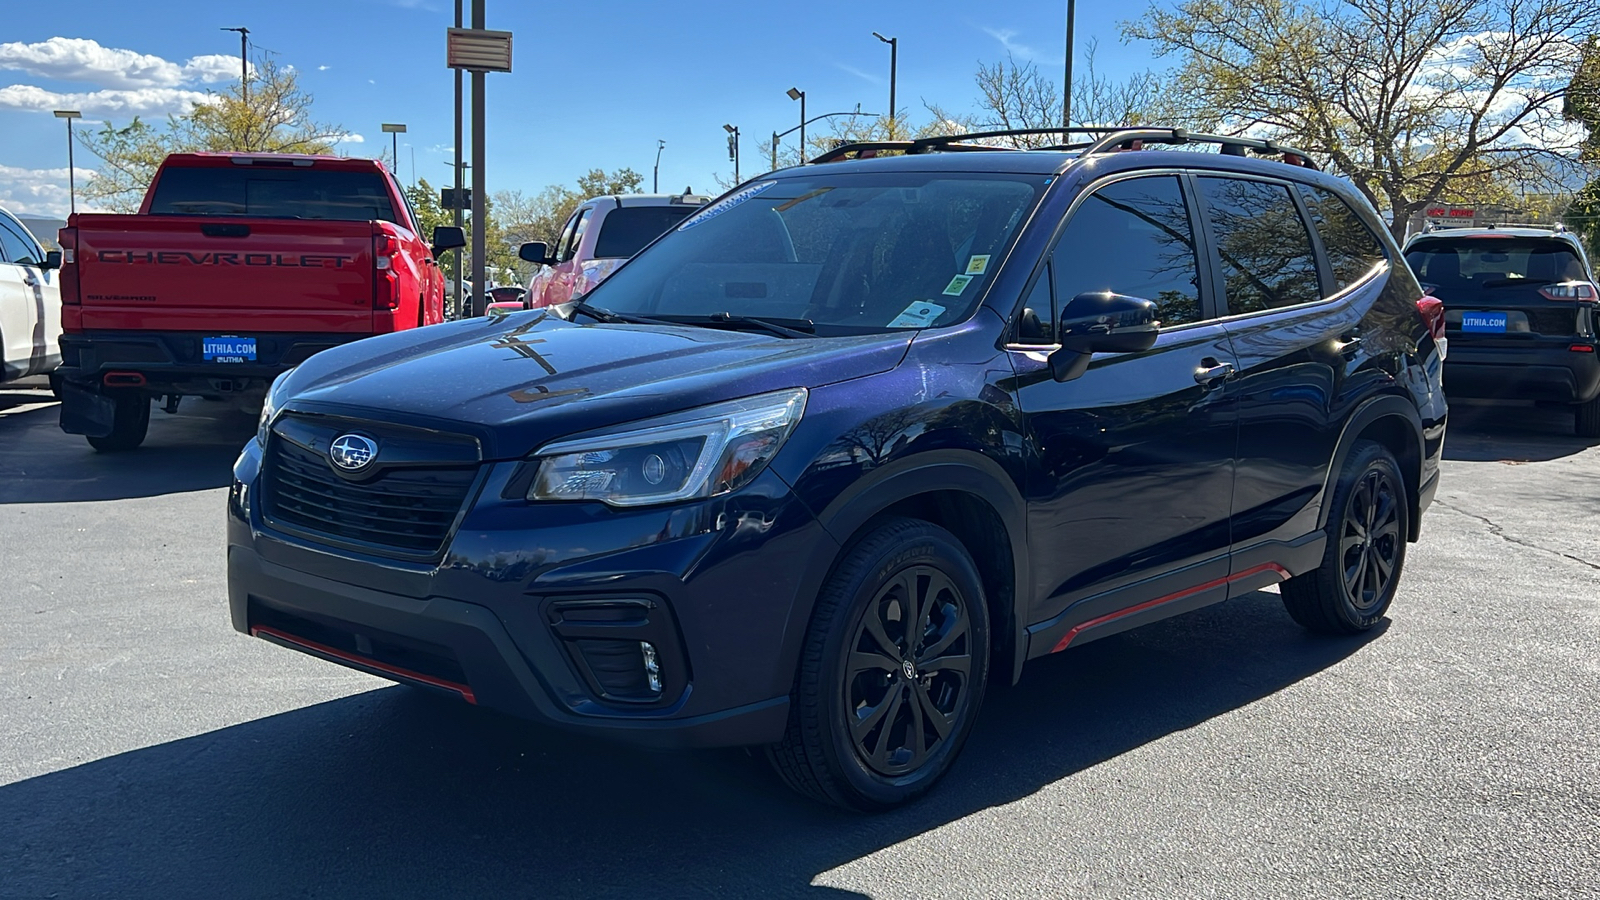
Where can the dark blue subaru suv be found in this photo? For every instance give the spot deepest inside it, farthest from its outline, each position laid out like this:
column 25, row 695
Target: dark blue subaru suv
column 858, row 440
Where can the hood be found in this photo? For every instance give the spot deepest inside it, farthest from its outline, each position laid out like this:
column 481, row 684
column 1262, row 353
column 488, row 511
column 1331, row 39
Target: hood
column 519, row 381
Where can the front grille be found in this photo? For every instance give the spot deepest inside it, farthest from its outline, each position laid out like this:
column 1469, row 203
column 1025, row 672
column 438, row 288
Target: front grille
column 409, row 510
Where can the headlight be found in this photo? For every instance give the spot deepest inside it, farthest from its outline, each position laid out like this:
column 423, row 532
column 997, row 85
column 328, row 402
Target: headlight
column 698, row 453
column 269, row 406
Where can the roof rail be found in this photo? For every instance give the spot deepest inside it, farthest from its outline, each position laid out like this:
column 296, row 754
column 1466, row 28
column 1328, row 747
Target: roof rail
column 1109, row 139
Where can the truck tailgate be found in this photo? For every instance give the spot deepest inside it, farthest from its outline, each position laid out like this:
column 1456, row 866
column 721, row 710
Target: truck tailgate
column 190, row 273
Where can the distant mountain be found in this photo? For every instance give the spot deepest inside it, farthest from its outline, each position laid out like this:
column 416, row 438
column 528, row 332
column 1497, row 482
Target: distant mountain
column 44, row 229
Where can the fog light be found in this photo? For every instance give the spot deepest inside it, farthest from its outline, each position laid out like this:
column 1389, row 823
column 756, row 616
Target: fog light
column 652, row 666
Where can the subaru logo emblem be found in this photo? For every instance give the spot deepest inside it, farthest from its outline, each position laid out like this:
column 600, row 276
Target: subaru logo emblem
column 352, row 452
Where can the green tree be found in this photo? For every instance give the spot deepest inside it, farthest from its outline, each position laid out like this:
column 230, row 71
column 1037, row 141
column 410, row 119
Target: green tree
column 1583, row 107
column 276, row 119
column 1415, row 101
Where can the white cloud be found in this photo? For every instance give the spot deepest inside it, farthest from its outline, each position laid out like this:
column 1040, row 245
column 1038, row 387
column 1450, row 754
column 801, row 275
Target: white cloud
column 211, row 68
column 323, row 68
column 79, row 59
column 38, row 192
column 864, row 76
column 1018, row 50
column 142, row 102
column 352, row 139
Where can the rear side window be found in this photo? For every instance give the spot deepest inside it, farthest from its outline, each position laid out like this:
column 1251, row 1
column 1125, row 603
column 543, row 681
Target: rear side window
column 273, row 193
column 1133, row 237
column 625, row 231
column 1263, row 245
column 1353, row 250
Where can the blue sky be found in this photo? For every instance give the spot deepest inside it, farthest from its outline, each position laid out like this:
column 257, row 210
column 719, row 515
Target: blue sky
column 595, row 84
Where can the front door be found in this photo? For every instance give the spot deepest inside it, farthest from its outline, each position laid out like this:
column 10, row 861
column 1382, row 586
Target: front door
column 1131, row 488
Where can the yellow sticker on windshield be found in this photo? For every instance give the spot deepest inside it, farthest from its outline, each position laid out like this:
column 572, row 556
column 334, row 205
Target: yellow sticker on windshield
column 978, row 265
column 957, row 285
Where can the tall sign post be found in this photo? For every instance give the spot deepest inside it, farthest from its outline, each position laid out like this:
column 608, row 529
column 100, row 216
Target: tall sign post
column 72, row 179
column 478, row 51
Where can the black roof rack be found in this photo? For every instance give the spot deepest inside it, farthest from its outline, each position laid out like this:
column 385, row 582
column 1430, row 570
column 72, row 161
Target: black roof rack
column 1108, row 139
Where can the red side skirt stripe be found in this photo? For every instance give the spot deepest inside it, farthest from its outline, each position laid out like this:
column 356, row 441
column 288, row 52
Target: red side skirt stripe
column 365, row 662
column 1066, row 639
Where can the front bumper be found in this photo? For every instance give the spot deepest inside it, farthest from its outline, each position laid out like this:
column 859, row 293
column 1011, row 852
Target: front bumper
column 500, row 619
column 1536, row 371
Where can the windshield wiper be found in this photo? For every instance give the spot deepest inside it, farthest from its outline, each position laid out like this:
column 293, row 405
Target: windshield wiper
column 606, row 315
column 784, row 328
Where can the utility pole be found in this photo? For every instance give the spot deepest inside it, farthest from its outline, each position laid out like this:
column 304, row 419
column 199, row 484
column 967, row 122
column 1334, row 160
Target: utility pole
column 244, row 62
column 774, row 152
column 480, row 221
column 733, row 149
column 1066, row 89
column 461, row 310
column 655, row 178
column 894, row 64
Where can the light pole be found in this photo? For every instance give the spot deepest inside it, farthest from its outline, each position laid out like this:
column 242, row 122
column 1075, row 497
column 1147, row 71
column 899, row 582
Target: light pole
column 244, row 61
column 894, row 61
column 72, row 187
column 733, row 149
column 780, row 135
column 797, row 94
column 394, row 132
column 655, row 177
column 1066, row 90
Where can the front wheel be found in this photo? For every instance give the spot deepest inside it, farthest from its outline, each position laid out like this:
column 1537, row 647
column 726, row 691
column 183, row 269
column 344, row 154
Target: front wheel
column 1367, row 528
column 130, row 422
column 892, row 673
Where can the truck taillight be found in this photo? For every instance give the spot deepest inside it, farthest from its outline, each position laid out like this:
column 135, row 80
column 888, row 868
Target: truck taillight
column 1432, row 310
column 386, row 284
column 1580, row 291
column 68, row 238
column 384, row 249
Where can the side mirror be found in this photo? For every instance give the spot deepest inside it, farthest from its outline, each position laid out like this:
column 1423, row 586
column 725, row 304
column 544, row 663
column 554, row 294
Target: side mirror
column 52, row 260
column 535, row 252
column 447, row 238
column 1101, row 322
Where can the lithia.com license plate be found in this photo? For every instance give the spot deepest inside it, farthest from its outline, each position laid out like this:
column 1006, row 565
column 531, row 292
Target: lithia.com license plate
column 228, row 349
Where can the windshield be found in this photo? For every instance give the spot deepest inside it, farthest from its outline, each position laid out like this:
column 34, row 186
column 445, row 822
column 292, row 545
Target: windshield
column 848, row 252
column 625, row 231
column 1467, row 269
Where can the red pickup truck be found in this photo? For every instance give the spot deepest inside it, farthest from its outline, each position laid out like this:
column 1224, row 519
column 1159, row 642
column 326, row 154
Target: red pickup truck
column 237, row 267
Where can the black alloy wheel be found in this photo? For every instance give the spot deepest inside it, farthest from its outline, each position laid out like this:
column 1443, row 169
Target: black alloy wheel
column 1368, row 524
column 892, row 672
column 909, row 670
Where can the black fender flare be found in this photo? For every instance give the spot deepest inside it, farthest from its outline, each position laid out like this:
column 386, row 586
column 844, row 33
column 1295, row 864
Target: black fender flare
column 945, row 470
column 1371, row 410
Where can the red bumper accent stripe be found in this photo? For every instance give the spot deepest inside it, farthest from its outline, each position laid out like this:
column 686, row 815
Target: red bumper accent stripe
column 365, row 662
column 1066, row 639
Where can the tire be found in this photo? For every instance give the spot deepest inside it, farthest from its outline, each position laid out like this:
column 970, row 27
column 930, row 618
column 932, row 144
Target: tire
column 872, row 761
column 1586, row 419
column 129, row 424
column 1350, row 592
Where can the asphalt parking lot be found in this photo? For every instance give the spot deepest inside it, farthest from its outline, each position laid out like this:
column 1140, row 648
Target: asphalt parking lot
column 148, row 750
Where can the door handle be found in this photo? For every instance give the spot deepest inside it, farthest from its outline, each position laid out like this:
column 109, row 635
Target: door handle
column 1211, row 371
column 1349, row 344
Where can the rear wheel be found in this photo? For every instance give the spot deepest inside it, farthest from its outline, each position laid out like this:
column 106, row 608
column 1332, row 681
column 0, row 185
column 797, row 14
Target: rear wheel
column 892, row 673
column 129, row 424
column 1367, row 528
column 1586, row 419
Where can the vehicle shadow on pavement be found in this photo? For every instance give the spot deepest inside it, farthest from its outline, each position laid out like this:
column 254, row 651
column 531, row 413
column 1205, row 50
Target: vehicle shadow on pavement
column 192, row 450
column 396, row 793
column 1491, row 432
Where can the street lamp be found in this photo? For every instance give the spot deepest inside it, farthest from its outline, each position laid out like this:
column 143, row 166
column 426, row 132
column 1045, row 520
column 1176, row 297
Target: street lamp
column 733, row 149
column 72, row 187
column 797, row 94
column 780, row 135
column 1066, row 90
column 894, row 59
column 244, row 62
column 395, row 131
column 655, row 176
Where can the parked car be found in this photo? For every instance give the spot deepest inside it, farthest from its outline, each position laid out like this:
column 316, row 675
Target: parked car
column 30, row 303
column 236, row 267
column 599, row 235
column 507, row 294
column 855, row 440
column 1520, row 314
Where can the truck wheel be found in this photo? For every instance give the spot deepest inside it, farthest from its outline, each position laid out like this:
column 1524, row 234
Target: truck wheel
column 129, row 425
column 892, row 672
column 1366, row 549
column 1586, row 419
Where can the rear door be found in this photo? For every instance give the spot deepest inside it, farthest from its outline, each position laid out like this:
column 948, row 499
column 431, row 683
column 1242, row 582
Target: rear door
column 1131, row 495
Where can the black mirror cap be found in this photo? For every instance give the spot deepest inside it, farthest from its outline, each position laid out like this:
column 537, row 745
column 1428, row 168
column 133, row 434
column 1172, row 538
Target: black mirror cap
column 534, row 252
column 1102, row 322
column 52, row 260
column 448, row 237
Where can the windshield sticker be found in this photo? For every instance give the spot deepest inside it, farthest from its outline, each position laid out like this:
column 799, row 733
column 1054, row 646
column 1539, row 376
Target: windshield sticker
column 918, row 315
column 725, row 204
column 957, row 285
column 978, row 265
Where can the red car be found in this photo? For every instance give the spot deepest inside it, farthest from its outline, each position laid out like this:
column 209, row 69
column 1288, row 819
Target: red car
column 236, row 267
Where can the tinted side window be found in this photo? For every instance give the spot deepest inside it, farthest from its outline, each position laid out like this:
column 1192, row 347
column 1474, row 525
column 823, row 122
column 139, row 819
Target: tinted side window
column 1265, row 249
column 15, row 246
column 1353, row 250
column 1133, row 237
